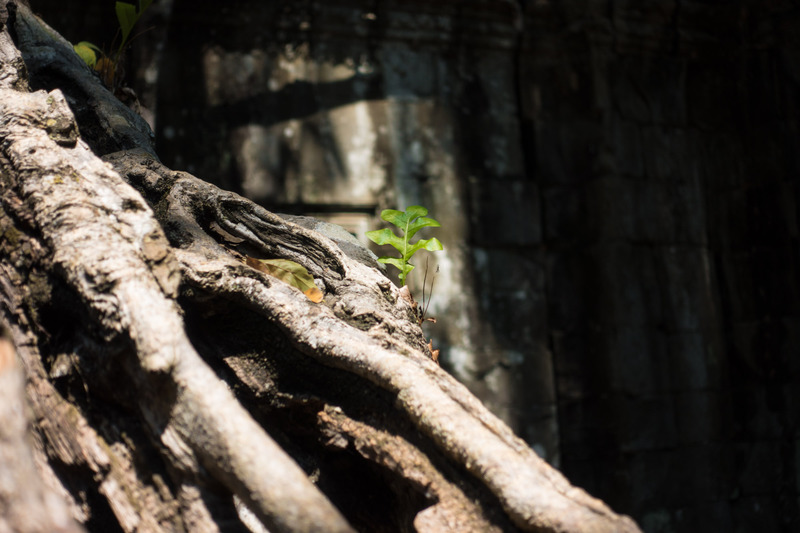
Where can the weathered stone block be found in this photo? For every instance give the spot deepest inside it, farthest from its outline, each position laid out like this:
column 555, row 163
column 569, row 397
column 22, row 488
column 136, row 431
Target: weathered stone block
column 687, row 356
column 759, row 513
column 654, row 472
column 624, row 209
column 564, row 212
column 791, row 345
column 652, row 212
column 648, row 90
column 758, row 465
column 626, row 139
column 701, row 516
column 707, row 84
column 566, row 150
column 505, row 213
column 535, row 386
column 756, row 283
column 627, row 88
column 409, row 73
column 669, row 153
column 708, row 29
column 566, row 271
column 539, row 427
column 754, row 413
column 690, row 300
column 768, row 155
column 609, row 209
column 588, row 428
column 687, row 207
column 647, row 423
column 637, row 361
column 678, row 476
column 517, row 319
column 718, row 159
column 727, row 220
column 643, row 26
column 619, row 297
column 570, row 353
column 699, row 416
column 510, row 270
column 612, row 284
column 600, row 209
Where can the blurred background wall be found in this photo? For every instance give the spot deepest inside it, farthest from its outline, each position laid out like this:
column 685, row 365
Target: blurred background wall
column 618, row 189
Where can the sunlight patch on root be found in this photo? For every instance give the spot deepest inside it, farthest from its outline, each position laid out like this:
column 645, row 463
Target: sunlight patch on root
column 215, row 230
column 79, row 205
column 535, row 496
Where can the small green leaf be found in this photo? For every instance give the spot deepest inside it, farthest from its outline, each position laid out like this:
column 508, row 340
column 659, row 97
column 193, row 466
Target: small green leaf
column 127, row 17
column 386, row 236
column 398, row 218
column 289, row 272
column 422, row 222
column 144, row 4
column 404, row 267
column 414, row 211
column 88, row 52
column 409, row 222
column 394, row 261
column 432, row 245
column 401, row 219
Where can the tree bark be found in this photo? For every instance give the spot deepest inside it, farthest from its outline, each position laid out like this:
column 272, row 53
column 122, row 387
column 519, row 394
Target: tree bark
column 173, row 387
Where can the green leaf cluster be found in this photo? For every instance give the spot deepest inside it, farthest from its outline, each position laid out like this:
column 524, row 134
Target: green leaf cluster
column 409, row 223
column 88, row 52
column 127, row 17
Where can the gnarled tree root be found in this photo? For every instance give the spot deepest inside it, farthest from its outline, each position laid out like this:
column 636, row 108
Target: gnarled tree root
column 218, row 359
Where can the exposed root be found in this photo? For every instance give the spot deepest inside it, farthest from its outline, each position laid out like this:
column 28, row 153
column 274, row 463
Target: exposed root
column 135, row 271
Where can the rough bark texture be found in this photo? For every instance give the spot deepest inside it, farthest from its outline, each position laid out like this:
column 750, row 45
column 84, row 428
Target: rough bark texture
column 618, row 187
column 27, row 502
column 172, row 387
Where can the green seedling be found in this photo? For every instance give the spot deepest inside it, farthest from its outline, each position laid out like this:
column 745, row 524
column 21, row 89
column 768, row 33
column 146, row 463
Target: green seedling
column 127, row 17
column 409, row 223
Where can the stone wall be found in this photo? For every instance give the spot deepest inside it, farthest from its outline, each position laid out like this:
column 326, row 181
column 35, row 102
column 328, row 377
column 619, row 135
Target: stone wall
column 618, row 187
column 663, row 138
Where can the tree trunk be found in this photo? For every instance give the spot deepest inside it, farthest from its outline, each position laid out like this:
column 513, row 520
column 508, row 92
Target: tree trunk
column 173, row 387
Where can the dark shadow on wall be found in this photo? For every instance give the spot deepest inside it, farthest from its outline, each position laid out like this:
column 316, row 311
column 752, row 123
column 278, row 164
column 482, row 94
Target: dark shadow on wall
column 241, row 41
column 298, row 100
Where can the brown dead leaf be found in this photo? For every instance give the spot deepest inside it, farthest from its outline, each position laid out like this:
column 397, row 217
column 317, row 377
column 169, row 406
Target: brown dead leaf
column 434, row 353
column 289, row 272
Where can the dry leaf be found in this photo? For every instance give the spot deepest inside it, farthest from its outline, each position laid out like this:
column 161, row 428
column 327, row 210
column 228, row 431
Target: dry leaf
column 434, row 353
column 289, row 272
column 313, row 294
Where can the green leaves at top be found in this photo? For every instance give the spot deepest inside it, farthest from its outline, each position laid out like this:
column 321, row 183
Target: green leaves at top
column 127, row 16
column 88, row 52
column 409, row 222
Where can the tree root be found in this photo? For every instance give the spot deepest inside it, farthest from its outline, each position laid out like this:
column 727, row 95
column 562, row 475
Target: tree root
column 148, row 281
